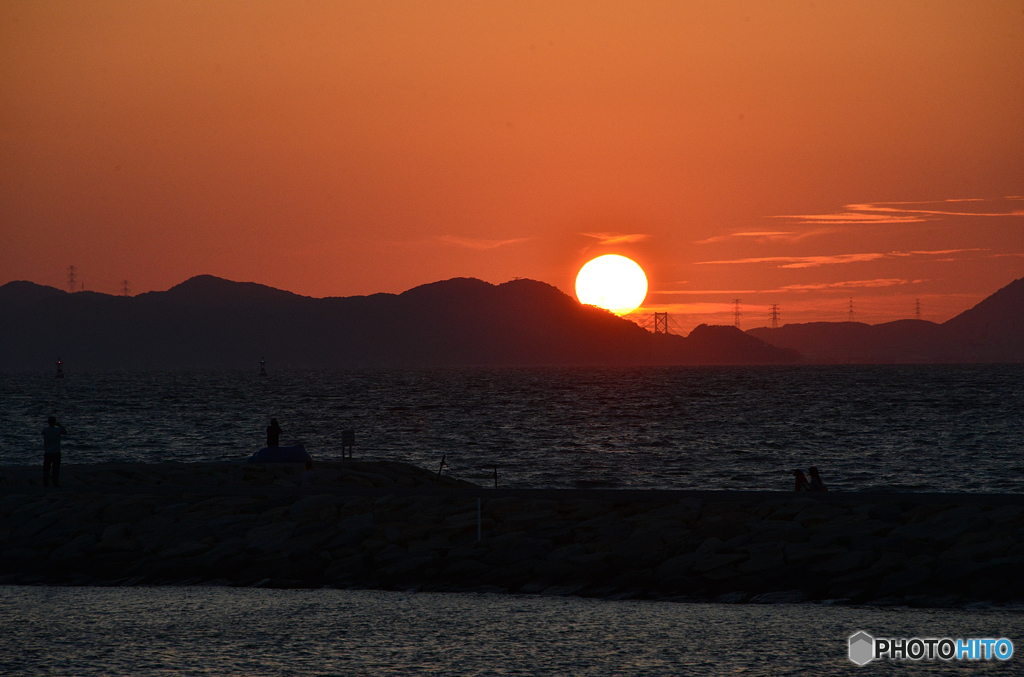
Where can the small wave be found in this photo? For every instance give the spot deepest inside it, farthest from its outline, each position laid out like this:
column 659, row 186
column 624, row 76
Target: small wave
column 596, row 484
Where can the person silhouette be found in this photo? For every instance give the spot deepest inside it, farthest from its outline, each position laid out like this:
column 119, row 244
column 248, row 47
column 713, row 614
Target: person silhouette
column 801, row 481
column 51, row 451
column 816, row 483
column 273, row 434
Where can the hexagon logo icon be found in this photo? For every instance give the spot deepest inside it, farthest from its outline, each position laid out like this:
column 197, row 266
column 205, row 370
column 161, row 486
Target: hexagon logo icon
column 862, row 648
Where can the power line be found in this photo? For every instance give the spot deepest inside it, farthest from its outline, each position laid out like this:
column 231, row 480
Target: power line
column 736, row 312
column 917, row 309
column 126, row 288
column 72, row 284
column 851, row 310
column 775, row 316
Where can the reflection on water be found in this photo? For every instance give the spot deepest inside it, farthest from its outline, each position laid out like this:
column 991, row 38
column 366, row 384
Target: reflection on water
column 917, row 428
column 229, row 631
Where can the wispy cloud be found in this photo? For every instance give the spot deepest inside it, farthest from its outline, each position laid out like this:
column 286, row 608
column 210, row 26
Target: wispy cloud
column 616, row 238
column 759, row 234
column 700, row 292
column 687, row 309
column 937, row 252
column 769, row 235
column 850, row 218
column 824, row 286
column 800, row 261
column 479, row 244
column 871, row 213
column 874, row 207
column 850, row 284
column 835, row 259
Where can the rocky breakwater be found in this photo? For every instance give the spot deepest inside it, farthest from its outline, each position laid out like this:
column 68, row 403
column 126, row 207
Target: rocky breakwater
column 925, row 550
column 369, row 474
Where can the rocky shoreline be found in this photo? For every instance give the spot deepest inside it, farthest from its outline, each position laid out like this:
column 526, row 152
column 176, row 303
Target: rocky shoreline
column 390, row 525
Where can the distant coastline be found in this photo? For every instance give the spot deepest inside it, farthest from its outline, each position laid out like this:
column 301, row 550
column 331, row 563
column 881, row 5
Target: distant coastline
column 208, row 322
column 991, row 331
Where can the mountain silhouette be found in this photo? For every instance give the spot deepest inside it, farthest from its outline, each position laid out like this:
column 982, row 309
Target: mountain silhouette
column 991, row 331
column 209, row 322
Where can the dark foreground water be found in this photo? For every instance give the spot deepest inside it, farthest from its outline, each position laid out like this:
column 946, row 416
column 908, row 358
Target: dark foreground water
column 231, row 631
column 911, row 428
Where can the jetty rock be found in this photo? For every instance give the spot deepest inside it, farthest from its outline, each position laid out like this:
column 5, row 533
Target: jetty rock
column 176, row 524
column 371, row 474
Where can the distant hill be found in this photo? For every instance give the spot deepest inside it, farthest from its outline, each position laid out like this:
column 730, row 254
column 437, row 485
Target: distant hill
column 209, row 322
column 992, row 331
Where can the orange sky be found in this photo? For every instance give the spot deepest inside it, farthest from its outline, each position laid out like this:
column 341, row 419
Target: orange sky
column 798, row 153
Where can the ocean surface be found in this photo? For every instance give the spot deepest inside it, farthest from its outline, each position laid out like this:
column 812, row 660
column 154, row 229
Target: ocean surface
column 244, row 631
column 946, row 428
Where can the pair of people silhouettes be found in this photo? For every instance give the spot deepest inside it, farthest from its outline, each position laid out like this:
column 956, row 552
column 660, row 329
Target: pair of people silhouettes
column 814, row 484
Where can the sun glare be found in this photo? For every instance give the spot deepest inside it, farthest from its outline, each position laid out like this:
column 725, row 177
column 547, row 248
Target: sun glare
column 612, row 282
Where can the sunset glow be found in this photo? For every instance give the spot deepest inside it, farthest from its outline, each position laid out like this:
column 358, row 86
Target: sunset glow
column 781, row 153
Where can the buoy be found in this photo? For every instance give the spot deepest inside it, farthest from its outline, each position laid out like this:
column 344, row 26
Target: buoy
column 60, row 371
column 263, row 367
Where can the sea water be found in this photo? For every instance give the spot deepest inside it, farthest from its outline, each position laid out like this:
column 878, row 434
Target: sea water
column 922, row 428
column 945, row 428
column 236, row 631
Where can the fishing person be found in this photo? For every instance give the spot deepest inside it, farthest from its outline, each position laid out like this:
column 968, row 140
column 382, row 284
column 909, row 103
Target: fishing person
column 274, row 434
column 801, row 481
column 51, row 451
column 816, row 483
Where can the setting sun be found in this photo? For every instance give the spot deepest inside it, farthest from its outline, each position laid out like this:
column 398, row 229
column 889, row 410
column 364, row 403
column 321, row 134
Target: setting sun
column 612, row 282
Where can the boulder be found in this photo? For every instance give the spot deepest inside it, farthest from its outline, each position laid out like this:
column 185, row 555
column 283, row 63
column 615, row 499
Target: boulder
column 270, row 537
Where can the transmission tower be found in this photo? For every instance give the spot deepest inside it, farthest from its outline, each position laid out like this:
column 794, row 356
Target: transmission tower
column 126, row 288
column 660, row 323
column 736, row 312
column 72, row 284
column 917, row 309
column 851, row 311
column 775, row 316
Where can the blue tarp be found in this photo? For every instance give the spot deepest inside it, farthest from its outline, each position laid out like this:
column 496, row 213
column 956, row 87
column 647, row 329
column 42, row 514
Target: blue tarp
column 296, row 454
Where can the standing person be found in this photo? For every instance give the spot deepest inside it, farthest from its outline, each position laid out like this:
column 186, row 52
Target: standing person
column 801, row 481
column 51, row 451
column 816, row 483
column 273, row 434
